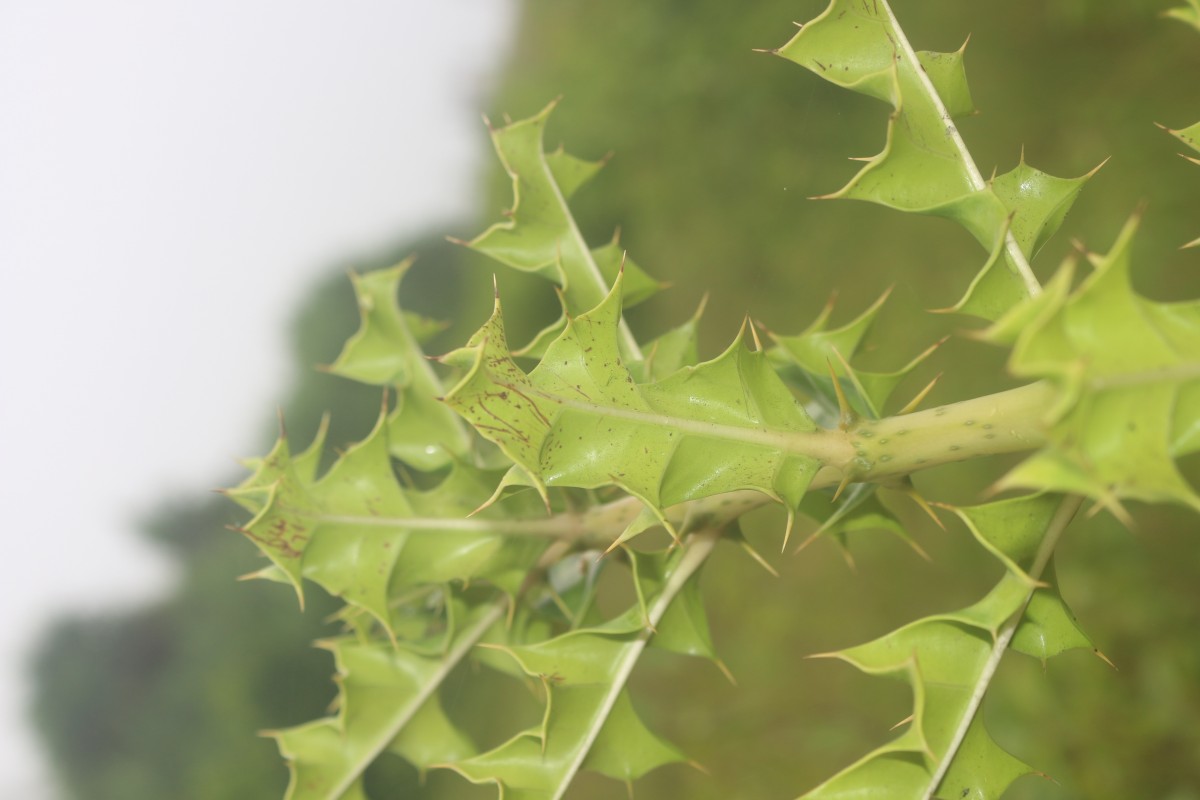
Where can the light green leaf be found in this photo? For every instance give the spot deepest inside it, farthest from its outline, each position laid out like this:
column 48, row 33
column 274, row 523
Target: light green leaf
column 1011, row 530
column 858, row 508
column 610, row 260
column 675, row 349
column 1189, row 14
column 254, row 492
column 819, row 350
column 1191, row 134
column 579, row 419
column 540, row 235
column 1127, row 376
column 925, row 167
column 387, row 701
column 384, row 352
column 361, row 536
column 1048, row 627
column 589, row 722
column 948, row 660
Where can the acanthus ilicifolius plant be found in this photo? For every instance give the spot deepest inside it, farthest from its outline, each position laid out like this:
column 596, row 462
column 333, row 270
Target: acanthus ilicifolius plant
column 538, row 467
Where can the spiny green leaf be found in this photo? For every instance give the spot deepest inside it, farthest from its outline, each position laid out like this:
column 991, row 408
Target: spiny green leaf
column 1048, row 626
column 1012, row 531
column 949, row 659
column 1189, row 136
column 1127, row 375
column 858, row 508
column 254, row 492
column 675, row 349
column 589, row 722
column 538, row 764
column 924, row 167
column 992, row 292
column 361, row 536
column 540, row 235
column 611, row 261
column 384, row 352
column 387, row 701
column 579, row 419
column 819, row 351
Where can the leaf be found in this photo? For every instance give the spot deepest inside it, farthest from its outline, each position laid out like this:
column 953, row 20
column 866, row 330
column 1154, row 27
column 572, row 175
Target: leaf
column 1191, row 134
column 1189, row 14
column 579, row 419
column 675, row 349
column 541, row 236
column 1126, row 373
column 589, row 722
column 387, row 700
column 925, row 167
column 384, row 352
column 254, row 492
column 820, row 350
column 858, row 508
column 362, row 537
column 1011, row 530
column 948, row 660
column 611, row 261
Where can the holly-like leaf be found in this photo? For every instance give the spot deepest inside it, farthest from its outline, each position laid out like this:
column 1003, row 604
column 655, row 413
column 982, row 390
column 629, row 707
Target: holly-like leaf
column 363, row 537
column 821, row 352
column 540, row 235
column 589, row 721
column 385, row 352
column 948, row 660
column 387, row 701
column 254, row 492
column 1126, row 372
column 925, row 167
column 675, row 349
column 1191, row 137
column 579, row 418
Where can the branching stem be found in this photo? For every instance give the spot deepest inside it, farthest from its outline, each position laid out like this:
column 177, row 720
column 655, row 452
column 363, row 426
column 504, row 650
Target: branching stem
column 871, row 451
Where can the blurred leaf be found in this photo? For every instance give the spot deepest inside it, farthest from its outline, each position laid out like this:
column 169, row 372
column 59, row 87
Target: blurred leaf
column 388, row 700
column 385, row 352
column 589, row 722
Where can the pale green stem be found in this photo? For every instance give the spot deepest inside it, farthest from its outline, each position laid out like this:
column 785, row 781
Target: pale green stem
column 870, row 451
column 1006, row 422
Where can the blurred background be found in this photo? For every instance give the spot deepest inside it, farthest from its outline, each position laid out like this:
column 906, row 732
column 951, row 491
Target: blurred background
column 185, row 185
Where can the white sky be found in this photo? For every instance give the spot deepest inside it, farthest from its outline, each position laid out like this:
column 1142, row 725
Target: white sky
column 173, row 176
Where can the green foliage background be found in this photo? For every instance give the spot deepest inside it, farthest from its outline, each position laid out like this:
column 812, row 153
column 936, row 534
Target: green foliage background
column 716, row 149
